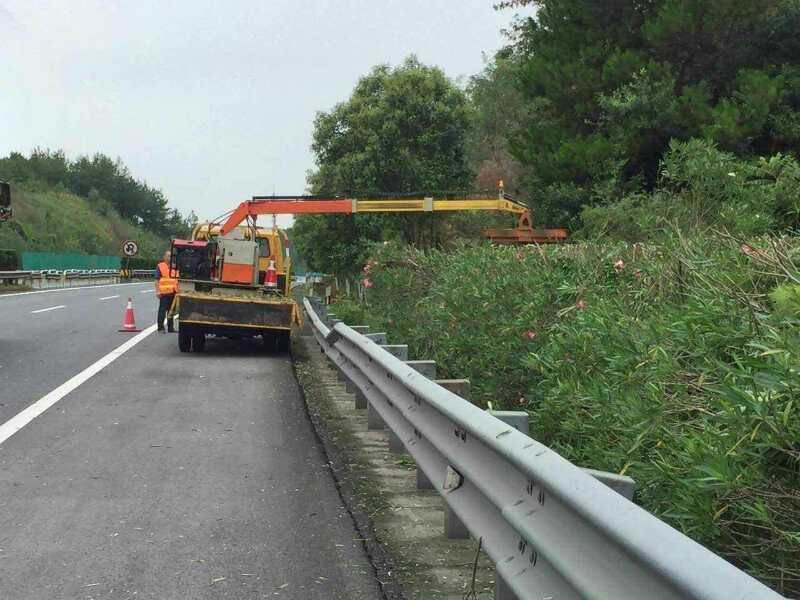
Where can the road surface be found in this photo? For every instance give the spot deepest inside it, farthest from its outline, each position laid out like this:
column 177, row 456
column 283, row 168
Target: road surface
column 163, row 475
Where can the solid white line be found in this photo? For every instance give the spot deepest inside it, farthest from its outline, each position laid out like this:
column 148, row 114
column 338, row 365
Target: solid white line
column 17, row 422
column 72, row 289
column 51, row 308
column 110, row 297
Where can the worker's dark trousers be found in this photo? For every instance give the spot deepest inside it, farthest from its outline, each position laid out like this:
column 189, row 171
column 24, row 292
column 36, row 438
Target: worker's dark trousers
column 164, row 302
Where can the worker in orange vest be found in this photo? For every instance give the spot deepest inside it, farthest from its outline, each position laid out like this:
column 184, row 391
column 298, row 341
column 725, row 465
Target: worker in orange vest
column 166, row 288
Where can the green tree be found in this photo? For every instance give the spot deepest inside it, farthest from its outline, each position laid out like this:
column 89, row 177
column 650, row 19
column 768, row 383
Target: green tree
column 609, row 83
column 402, row 130
column 106, row 183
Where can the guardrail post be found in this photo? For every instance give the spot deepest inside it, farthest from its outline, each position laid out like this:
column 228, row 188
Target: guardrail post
column 428, row 369
column 423, row 483
column 397, row 350
column 622, row 484
column 378, row 338
column 460, row 387
column 501, row 589
column 454, row 528
column 517, row 419
column 349, row 385
column 361, row 400
column 374, row 420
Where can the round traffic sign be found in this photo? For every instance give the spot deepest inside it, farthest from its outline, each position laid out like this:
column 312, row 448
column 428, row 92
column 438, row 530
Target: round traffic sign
column 130, row 248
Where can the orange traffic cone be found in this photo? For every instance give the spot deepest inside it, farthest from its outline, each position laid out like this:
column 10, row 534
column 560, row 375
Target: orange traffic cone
column 272, row 276
column 129, row 322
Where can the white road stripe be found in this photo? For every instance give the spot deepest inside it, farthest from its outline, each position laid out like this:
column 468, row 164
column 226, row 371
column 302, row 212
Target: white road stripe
column 109, row 297
column 146, row 292
column 47, row 309
column 17, row 422
column 72, row 289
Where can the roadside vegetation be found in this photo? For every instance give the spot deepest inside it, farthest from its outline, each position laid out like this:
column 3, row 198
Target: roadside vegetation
column 89, row 205
column 662, row 342
column 54, row 220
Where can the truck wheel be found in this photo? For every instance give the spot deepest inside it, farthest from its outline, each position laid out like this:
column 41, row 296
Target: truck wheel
column 199, row 342
column 184, row 338
column 282, row 342
column 268, row 341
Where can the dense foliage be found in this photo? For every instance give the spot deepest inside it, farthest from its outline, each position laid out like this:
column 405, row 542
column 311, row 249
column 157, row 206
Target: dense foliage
column 402, row 130
column 106, row 184
column 605, row 86
column 9, row 260
column 675, row 364
column 663, row 343
column 50, row 219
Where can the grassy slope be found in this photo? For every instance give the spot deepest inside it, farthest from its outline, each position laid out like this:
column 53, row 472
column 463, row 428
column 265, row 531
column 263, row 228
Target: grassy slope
column 58, row 221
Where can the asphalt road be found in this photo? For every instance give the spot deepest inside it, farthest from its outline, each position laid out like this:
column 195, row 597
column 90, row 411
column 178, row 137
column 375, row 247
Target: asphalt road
column 165, row 475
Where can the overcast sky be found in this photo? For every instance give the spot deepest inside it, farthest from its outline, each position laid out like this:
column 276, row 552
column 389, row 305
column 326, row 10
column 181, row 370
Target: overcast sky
column 212, row 102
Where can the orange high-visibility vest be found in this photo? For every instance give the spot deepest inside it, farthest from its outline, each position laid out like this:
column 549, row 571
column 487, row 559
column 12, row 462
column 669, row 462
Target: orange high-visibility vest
column 168, row 282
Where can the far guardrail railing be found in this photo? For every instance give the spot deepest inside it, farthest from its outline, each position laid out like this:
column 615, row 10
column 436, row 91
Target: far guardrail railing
column 552, row 529
column 52, row 278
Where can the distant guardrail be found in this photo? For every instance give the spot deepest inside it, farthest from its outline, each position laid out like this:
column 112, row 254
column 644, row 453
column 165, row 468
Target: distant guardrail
column 553, row 530
column 54, row 279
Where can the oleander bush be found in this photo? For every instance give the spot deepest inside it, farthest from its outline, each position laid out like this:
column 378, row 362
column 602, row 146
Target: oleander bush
column 677, row 364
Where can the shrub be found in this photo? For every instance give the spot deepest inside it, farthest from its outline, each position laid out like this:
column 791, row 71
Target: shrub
column 669, row 363
column 9, row 260
column 700, row 188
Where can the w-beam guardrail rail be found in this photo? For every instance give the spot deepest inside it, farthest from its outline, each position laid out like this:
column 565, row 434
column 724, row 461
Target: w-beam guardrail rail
column 55, row 279
column 552, row 529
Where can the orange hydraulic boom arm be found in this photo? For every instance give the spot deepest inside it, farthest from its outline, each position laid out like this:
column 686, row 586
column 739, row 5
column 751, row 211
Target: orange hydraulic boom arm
column 316, row 205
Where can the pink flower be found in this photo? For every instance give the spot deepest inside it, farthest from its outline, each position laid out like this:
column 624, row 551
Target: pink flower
column 748, row 250
column 367, row 283
column 619, row 266
column 530, row 335
column 580, row 304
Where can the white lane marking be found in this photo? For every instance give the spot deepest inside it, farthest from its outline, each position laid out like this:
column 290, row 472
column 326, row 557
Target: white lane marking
column 146, row 292
column 72, row 289
column 109, row 297
column 47, row 309
column 18, row 421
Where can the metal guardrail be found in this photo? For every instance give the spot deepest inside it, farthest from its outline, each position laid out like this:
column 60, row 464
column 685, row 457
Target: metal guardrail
column 53, row 278
column 5, row 275
column 552, row 530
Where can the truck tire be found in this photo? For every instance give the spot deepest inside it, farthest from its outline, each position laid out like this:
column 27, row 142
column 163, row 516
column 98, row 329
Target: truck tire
column 268, row 341
column 184, row 338
column 199, row 341
column 282, row 342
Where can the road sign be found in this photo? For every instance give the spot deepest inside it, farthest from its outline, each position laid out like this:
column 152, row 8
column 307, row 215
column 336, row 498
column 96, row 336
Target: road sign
column 130, row 248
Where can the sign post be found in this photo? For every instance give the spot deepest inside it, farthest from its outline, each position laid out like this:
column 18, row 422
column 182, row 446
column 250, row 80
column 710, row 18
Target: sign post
column 130, row 249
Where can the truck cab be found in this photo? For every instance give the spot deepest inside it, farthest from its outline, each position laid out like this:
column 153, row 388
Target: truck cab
column 272, row 245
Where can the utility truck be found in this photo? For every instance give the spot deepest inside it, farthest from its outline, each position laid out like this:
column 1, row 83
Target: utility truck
column 235, row 277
